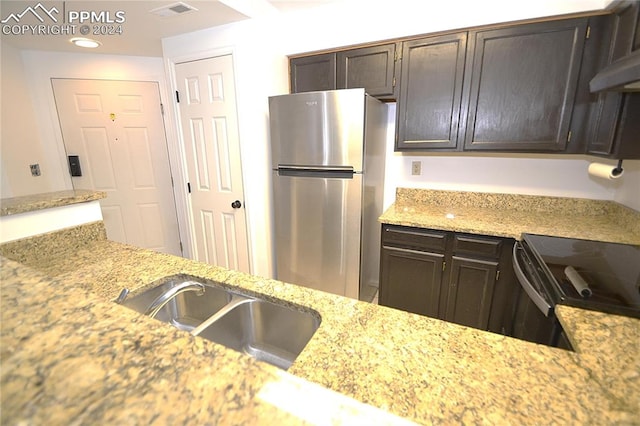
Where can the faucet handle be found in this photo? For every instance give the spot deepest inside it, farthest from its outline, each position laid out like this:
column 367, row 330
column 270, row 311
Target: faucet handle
column 123, row 295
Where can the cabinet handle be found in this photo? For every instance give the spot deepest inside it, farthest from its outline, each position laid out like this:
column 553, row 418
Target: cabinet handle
column 409, row 251
column 415, row 234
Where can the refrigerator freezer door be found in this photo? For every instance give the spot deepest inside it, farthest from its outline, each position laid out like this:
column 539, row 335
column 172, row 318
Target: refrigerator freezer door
column 318, row 129
column 317, row 228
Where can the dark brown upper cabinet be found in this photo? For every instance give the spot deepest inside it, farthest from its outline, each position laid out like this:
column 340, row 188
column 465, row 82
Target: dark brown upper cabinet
column 372, row 68
column 503, row 88
column 523, row 85
column 615, row 122
column 312, row 73
column 431, row 102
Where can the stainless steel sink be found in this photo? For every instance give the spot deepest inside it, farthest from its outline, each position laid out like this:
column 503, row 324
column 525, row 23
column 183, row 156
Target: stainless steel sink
column 267, row 330
column 186, row 310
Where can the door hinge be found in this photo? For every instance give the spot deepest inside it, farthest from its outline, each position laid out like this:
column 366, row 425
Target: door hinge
column 497, row 274
column 569, row 136
column 588, row 32
column 393, row 84
column 189, row 187
column 161, row 109
column 177, row 96
column 444, row 266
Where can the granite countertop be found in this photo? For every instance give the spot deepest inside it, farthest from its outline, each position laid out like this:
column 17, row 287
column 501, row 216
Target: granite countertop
column 508, row 215
column 70, row 354
column 70, row 357
column 29, row 203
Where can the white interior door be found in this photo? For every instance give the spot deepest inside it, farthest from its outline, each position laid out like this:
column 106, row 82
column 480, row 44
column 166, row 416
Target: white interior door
column 208, row 119
column 116, row 128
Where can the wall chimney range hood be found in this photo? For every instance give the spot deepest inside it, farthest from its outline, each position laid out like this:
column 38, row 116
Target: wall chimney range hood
column 622, row 75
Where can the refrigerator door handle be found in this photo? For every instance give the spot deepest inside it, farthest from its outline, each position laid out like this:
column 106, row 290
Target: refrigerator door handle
column 293, row 168
column 316, row 172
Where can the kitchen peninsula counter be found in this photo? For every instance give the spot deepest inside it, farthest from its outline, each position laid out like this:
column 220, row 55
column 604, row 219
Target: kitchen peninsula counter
column 47, row 200
column 509, row 215
column 69, row 354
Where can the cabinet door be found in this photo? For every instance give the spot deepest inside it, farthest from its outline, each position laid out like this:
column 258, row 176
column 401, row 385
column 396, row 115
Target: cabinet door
column 369, row 67
column 410, row 280
column 429, row 106
column 313, row 73
column 470, row 291
column 523, row 85
column 627, row 30
column 614, row 115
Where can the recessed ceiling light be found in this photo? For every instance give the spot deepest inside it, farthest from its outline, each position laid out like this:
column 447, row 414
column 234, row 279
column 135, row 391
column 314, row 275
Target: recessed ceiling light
column 85, row 42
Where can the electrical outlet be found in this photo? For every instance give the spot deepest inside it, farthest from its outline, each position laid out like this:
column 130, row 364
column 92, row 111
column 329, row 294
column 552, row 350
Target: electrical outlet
column 416, row 168
column 35, row 169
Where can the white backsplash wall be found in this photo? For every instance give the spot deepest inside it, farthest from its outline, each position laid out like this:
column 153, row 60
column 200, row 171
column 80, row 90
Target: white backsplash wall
column 530, row 174
column 520, row 174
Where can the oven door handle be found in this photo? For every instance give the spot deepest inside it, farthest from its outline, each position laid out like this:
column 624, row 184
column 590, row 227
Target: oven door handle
column 535, row 296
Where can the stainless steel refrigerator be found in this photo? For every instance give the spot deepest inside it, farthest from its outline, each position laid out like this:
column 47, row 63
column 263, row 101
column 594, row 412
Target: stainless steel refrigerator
column 328, row 155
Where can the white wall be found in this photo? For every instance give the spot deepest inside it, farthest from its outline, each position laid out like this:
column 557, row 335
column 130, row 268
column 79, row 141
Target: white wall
column 37, row 68
column 30, row 128
column 41, row 67
column 24, row 225
column 260, row 47
column 20, row 139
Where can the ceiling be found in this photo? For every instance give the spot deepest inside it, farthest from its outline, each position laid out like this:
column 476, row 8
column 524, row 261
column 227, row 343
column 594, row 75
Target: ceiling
column 135, row 30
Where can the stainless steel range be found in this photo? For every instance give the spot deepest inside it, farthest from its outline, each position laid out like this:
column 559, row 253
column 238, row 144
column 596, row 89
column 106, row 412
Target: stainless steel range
column 588, row 274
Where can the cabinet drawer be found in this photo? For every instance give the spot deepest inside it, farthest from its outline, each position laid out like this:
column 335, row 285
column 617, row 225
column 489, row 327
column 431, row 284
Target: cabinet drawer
column 477, row 246
column 401, row 236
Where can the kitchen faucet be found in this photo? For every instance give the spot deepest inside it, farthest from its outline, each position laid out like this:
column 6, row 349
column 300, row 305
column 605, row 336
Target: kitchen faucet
column 165, row 298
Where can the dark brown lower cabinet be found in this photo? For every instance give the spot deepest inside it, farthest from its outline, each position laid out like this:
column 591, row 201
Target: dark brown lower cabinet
column 470, row 291
column 462, row 278
column 413, row 280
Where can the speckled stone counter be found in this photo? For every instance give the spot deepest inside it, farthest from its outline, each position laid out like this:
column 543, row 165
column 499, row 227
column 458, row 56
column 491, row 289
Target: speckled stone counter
column 508, row 215
column 29, row 203
column 71, row 355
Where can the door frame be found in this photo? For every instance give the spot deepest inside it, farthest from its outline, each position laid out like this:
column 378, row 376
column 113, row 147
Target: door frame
column 176, row 150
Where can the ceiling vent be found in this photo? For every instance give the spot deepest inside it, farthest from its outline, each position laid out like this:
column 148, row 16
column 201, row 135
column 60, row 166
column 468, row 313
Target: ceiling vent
column 173, row 9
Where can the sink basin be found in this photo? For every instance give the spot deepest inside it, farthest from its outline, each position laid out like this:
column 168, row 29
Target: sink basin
column 269, row 331
column 186, row 310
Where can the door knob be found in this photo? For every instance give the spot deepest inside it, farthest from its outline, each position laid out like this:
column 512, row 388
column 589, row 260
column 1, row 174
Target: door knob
column 236, row 204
